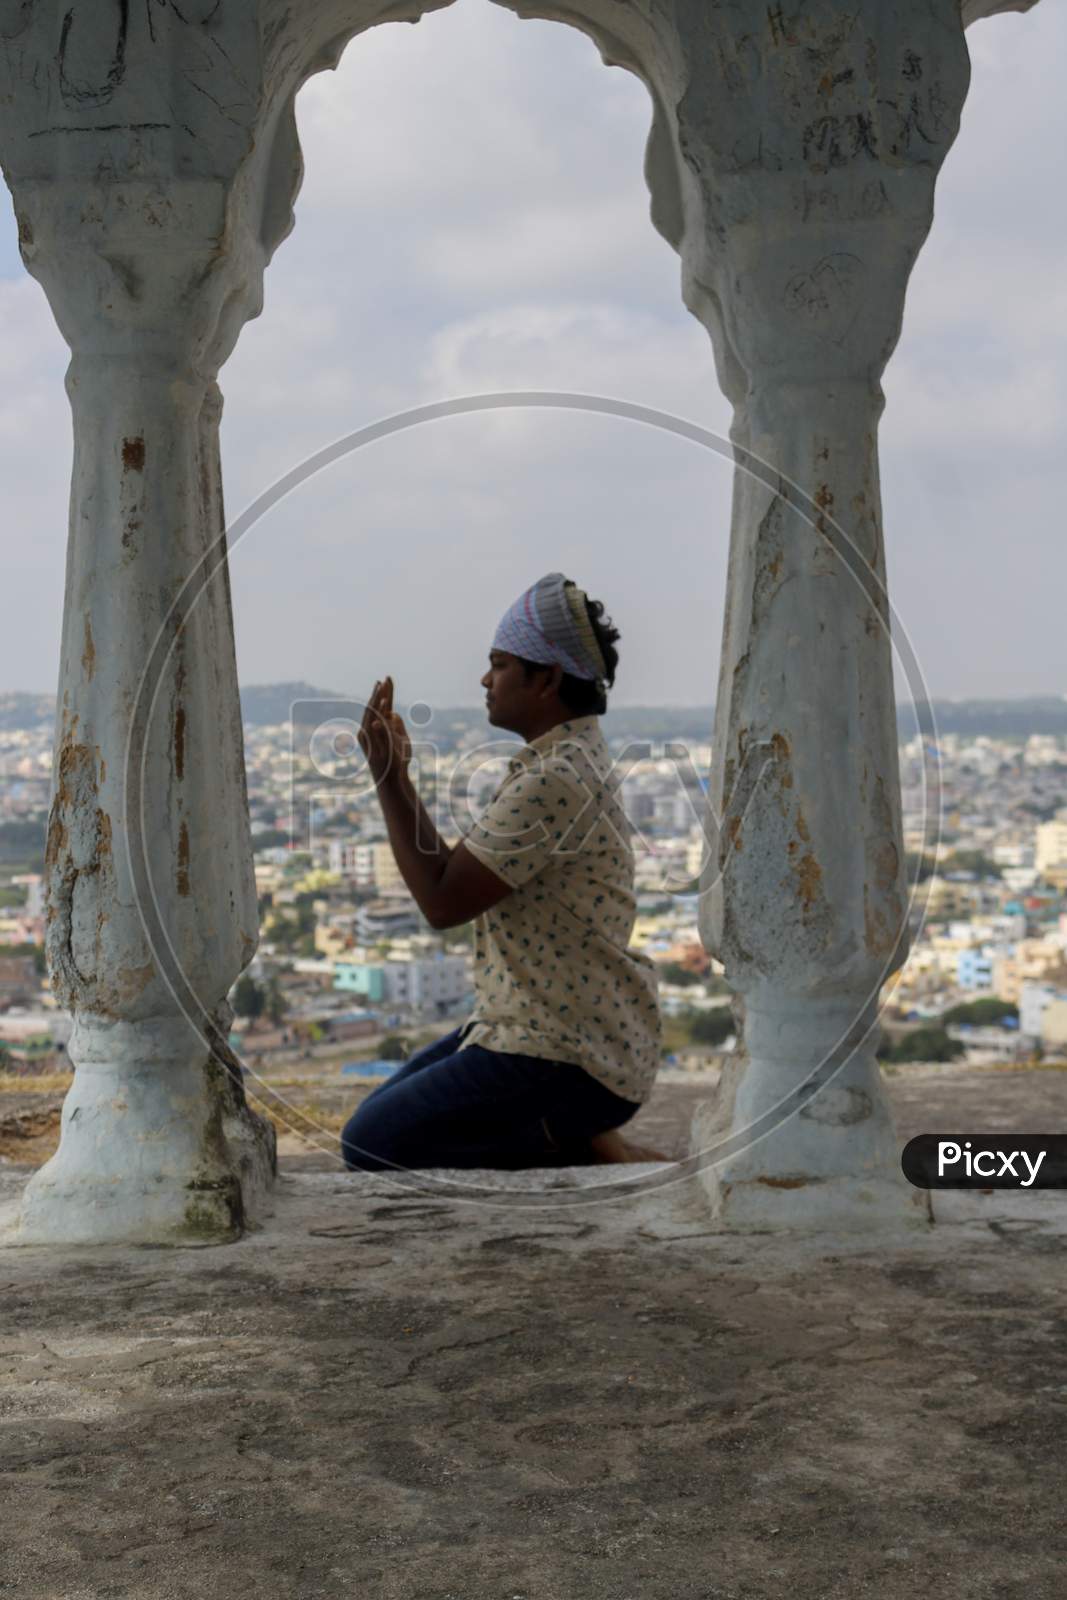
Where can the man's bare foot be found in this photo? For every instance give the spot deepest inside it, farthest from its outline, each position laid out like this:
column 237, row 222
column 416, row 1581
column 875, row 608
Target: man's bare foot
column 612, row 1146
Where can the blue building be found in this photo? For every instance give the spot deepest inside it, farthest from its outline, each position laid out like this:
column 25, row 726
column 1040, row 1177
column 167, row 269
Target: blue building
column 974, row 970
column 360, row 977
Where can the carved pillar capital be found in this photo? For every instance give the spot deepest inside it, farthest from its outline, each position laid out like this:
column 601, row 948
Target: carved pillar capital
column 809, row 143
column 975, row 10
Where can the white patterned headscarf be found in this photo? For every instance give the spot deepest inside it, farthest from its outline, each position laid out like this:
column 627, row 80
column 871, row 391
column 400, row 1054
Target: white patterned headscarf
column 548, row 623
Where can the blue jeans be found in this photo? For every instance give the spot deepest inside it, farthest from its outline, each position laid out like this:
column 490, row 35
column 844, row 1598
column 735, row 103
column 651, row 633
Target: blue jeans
column 466, row 1106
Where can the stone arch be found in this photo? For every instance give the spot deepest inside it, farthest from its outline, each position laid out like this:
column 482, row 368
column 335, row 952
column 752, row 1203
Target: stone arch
column 792, row 161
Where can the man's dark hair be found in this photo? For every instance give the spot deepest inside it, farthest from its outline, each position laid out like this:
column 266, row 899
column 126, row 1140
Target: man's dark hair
column 580, row 695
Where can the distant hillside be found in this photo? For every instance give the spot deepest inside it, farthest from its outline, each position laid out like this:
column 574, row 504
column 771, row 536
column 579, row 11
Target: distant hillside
column 997, row 719
column 21, row 712
column 272, row 704
column 268, row 704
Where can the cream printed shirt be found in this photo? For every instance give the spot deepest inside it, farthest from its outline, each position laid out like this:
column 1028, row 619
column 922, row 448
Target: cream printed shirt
column 553, row 974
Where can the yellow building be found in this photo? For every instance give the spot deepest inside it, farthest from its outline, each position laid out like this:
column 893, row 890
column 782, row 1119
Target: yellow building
column 1050, row 846
column 333, row 943
column 316, row 878
column 386, row 873
column 1054, row 1025
column 269, row 877
column 1031, row 961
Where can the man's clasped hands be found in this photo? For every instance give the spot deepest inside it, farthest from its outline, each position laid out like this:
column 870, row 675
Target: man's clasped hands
column 383, row 737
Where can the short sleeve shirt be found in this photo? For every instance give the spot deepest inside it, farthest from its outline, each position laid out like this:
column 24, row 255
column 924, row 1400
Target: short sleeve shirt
column 553, row 974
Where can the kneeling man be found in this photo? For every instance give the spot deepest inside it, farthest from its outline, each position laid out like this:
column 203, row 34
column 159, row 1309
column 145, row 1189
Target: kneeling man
column 565, row 1039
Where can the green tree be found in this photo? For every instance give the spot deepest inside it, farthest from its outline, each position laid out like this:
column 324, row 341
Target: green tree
column 37, row 951
column 925, row 1044
column 674, row 972
column 982, row 1012
column 269, row 838
column 284, row 932
column 711, row 1027
column 275, row 1001
column 918, row 868
column 393, row 1048
column 971, row 861
column 22, row 843
column 248, row 998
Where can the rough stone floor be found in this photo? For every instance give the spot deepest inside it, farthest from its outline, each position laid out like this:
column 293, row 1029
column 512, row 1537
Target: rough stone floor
column 556, row 1389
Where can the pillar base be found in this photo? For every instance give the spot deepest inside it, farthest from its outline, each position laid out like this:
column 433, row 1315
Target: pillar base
column 791, row 1202
column 798, row 1134
column 156, row 1151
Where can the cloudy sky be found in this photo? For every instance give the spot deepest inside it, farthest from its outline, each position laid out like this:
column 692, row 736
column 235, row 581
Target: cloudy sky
column 474, row 218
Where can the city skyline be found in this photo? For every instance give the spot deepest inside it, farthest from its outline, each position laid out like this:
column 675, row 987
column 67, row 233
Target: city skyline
column 1040, row 703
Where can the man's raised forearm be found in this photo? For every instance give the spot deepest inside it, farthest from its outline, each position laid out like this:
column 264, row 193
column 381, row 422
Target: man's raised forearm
column 421, row 854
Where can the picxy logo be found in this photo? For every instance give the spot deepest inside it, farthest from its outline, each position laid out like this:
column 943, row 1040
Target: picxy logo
column 993, row 1161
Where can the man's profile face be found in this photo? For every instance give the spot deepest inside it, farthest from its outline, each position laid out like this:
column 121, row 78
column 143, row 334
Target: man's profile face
column 510, row 701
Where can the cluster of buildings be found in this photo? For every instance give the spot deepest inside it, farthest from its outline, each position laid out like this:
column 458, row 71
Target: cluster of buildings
column 353, row 956
column 989, row 915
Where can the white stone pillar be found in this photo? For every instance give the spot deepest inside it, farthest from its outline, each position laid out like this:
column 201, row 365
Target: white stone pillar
column 152, row 908
column 153, row 157
column 810, row 153
column 133, row 216
column 806, row 897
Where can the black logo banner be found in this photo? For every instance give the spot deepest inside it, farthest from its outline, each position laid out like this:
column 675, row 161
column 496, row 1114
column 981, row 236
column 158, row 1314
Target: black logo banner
column 986, row 1161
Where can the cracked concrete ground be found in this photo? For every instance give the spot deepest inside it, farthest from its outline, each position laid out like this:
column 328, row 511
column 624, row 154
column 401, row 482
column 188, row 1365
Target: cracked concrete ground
column 432, row 1390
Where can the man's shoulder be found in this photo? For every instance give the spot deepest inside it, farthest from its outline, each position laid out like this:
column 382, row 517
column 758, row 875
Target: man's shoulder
column 574, row 769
